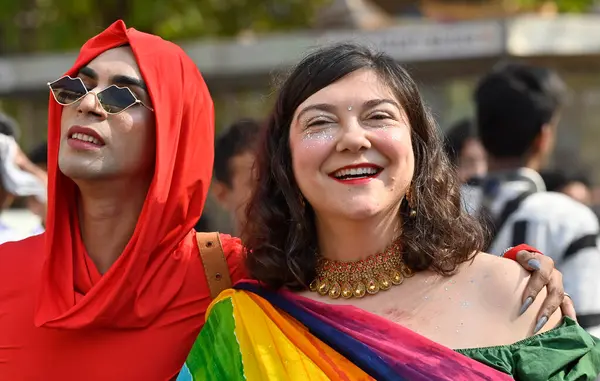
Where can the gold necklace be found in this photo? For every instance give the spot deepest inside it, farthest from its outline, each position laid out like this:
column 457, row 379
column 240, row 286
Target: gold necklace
column 377, row 272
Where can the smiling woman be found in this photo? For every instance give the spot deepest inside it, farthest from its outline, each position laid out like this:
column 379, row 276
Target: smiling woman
column 380, row 275
column 365, row 148
column 358, row 109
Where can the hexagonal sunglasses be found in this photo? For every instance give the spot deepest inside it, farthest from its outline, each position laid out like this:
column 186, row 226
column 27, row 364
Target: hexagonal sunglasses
column 113, row 99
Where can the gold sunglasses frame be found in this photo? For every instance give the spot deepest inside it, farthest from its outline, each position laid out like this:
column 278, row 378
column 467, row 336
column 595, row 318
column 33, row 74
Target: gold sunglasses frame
column 137, row 101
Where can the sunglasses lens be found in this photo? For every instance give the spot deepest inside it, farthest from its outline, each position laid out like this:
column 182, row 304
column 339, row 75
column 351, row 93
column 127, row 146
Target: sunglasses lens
column 68, row 90
column 115, row 99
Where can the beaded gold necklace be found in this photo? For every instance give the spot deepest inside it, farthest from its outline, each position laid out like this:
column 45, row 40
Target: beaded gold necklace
column 377, row 272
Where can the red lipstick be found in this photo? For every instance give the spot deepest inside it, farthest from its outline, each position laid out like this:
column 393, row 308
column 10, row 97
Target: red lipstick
column 84, row 138
column 356, row 174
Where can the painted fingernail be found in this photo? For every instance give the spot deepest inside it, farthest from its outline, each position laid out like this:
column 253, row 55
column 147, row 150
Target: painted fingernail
column 543, row 320
column 525, row 305
column 534, row 264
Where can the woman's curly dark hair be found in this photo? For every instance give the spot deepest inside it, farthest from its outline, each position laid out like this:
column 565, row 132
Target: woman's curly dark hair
column 280, row 232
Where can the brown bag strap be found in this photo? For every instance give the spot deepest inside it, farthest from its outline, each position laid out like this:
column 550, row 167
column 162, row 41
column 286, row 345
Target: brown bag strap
column 214, row 262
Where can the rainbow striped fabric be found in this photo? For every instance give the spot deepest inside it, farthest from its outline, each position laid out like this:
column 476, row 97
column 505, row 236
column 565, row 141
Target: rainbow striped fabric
column 253, row 334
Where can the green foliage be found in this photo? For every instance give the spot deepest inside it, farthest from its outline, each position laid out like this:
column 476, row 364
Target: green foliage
column 577, row 6
column 574, row 6
column 41, row 25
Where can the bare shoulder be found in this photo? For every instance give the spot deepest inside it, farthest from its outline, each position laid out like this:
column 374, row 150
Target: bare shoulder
column 502, row 284
column 497, row 269
column 499, row 281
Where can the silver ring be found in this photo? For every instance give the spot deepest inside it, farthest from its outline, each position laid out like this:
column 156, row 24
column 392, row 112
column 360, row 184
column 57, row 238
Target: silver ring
column 567, row 295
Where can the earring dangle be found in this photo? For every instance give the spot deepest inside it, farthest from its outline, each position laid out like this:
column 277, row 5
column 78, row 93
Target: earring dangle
column 412, row 213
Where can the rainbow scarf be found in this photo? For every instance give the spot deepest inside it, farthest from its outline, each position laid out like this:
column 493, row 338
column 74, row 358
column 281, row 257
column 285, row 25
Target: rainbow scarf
column 254, row 334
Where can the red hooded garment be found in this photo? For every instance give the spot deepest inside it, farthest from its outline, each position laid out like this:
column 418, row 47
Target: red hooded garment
column 60, row 319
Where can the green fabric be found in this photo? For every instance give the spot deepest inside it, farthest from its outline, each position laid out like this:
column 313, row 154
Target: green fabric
column 203, row 361
column 565, row 353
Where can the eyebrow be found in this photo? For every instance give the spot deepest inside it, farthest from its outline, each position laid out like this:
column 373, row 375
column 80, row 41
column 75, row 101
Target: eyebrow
column 331, row 108
column 88, row 72
column 320, row 106
column 376, row 102
column 129, row 81
column 117, row 79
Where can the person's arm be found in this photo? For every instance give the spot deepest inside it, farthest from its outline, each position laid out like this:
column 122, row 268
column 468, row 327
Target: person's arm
column 561, row 350
column 543, row 275
column 23, row 162
column 505, row 282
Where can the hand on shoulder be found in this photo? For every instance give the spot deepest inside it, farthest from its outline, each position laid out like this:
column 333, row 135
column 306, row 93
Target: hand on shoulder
column 502, row 283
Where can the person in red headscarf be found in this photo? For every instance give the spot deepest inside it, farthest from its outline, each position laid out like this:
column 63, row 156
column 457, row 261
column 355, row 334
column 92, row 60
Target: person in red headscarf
column 115, row 288
column 116, row 278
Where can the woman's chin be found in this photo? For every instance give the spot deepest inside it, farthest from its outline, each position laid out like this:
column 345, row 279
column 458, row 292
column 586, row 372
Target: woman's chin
column 355, row 207
column 360, row 212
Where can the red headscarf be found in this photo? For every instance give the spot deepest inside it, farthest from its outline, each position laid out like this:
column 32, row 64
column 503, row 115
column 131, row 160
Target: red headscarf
column 139, row 320
column 150, row 271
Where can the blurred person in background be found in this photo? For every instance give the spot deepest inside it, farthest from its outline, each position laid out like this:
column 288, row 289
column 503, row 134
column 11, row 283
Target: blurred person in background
column 39, row 156
column 20, row 177
column 233, row 178
column 465, row 151
column 518, row 109
column 575, row 185
column 9, row 126
column 204, row 224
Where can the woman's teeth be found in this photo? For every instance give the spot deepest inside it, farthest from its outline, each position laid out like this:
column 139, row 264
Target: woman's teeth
column 355, row 172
